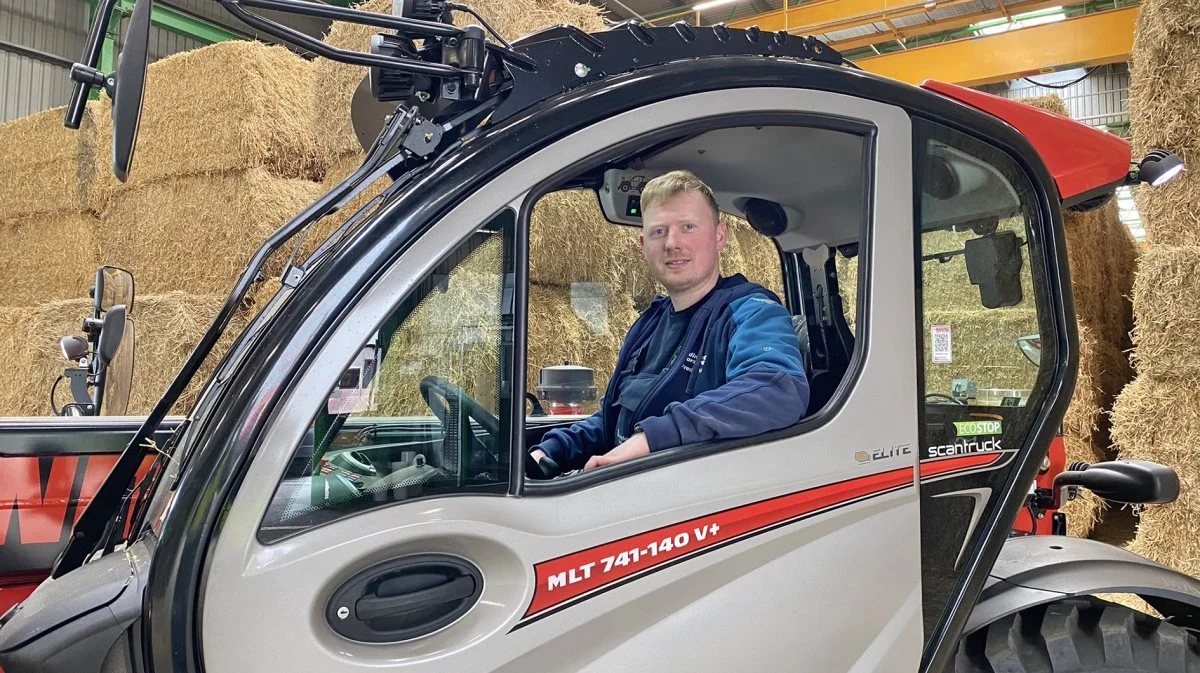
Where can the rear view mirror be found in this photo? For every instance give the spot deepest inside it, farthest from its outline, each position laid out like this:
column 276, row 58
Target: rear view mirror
column 130, row 88
column 994, row 264
column 114, row 287
column 1127, row 481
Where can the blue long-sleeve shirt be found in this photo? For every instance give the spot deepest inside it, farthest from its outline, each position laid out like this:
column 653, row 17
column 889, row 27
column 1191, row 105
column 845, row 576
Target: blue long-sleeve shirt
column 738, row 373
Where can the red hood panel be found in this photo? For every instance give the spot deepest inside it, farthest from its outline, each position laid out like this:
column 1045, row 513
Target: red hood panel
column 1080, row 158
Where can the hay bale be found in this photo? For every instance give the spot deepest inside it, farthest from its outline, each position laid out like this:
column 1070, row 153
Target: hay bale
column 48, row 256
column 984, row 349
column 335, row 82
column 1167, row 312
column 167, row 328
column 226, row 107
column 757, row 256
column 1158, row 421
column 20, row 389
column 1164, row 85
column 1103, row 257
column 1051, row 103
column 47, row 167
column 1162, row 20
column 571, row 242
column 197, row 234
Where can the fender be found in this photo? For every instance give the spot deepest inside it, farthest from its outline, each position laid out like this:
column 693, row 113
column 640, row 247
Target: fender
column 1041, row 569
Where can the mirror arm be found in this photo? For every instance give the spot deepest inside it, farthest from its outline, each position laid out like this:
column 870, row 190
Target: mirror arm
column 333, row 53
column 84, row 73
column 322, row 11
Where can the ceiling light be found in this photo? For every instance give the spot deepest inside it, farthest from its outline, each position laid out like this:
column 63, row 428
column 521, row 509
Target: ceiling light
column 710, row 4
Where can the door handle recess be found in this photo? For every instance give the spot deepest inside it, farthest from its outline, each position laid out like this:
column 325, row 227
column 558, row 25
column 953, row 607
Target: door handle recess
column 404, row 598
column 377, row 606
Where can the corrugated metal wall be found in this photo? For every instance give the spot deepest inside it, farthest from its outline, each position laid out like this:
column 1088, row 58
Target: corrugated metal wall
column 1102, row 99
column 39, row 39
column 56, row 29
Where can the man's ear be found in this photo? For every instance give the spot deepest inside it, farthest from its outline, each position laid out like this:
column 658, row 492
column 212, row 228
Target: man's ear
column 722, row 233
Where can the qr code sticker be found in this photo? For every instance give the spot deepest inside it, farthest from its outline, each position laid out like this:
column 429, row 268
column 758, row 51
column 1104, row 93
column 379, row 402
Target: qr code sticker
column 941, row 343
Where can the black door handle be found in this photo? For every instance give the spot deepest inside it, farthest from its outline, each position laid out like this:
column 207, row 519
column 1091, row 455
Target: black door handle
column 404, row 598
column 396, row 605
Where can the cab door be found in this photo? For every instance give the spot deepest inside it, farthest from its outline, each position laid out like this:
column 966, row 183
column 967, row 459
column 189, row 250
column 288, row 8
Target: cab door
column 386, row 524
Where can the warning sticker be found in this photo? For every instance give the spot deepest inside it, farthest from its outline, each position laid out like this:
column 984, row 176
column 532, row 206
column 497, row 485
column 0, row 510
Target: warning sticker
column 940, row 338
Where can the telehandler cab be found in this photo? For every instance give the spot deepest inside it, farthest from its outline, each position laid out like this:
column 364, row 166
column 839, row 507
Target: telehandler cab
column 297, row 519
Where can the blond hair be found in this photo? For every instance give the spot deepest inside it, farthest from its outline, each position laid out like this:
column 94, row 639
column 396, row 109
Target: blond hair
column 669, row 185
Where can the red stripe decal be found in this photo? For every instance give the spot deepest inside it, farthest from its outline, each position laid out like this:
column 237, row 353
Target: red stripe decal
column 569, row 576
column 940, row 466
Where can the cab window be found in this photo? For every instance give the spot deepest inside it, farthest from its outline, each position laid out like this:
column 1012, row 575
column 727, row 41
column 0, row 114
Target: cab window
column 421, row 408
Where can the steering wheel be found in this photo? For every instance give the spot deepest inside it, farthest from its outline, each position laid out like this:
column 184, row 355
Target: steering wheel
column 441, row 396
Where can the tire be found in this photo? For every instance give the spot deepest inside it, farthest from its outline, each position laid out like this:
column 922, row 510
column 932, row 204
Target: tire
column 1079, row 635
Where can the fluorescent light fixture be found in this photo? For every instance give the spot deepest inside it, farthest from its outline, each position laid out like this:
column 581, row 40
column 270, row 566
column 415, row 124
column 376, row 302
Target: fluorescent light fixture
column 710, row 4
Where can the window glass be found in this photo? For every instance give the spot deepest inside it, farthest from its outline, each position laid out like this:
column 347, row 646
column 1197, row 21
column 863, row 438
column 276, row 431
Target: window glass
column 980, row 327
column 589, row 282
column 420, row 411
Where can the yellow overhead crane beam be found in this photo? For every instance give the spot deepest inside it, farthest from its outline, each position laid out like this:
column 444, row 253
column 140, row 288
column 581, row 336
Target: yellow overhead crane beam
column 824, row 16
column 1089, row 40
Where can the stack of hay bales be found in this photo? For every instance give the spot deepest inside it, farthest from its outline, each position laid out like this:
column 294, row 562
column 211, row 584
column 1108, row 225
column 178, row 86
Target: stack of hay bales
column 1101, row 255
column 1157, row 417
column 225, row 155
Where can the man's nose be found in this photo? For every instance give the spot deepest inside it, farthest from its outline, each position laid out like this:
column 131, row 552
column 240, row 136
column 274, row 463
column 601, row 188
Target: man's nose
column 672, row 240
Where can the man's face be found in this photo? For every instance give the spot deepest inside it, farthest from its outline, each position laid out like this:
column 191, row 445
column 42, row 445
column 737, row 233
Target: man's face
column 682, row 242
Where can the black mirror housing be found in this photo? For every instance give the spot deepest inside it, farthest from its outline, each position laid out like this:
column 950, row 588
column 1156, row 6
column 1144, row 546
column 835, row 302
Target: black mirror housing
column 110, row 335
column 1138, row 482
column 994, row 264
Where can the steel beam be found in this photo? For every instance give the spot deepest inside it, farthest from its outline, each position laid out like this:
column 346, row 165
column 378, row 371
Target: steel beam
column 183, row 23
column 824, row 16
column 1089, row 40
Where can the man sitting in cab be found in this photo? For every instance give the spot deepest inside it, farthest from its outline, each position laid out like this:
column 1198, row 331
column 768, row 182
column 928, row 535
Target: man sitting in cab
column 715, row 359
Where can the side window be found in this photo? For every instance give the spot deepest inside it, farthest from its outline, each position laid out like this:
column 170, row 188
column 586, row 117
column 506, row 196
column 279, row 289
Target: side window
column 415, row 414
column 980, row 320
column 588, row 282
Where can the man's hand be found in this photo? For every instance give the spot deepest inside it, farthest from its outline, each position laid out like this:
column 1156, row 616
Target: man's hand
column 634, row 447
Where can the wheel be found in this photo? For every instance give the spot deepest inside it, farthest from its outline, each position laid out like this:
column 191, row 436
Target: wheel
column 1079, row 635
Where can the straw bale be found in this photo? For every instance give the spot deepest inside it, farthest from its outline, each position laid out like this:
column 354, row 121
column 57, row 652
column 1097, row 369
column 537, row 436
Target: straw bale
column 1162, row 20
column 47, row 256
column 1157, row 416
column 197, row 234
column 1050, row 103
column 984, row 349
column 1102, row 257
column 1167, row 309
column 1131, row 601
column 335, row 82
column 1164, row 86
column 166, row 326
column 229, row 106
column 760, row 261
column 20, row 390
column 571, row 242
column 47, row 166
